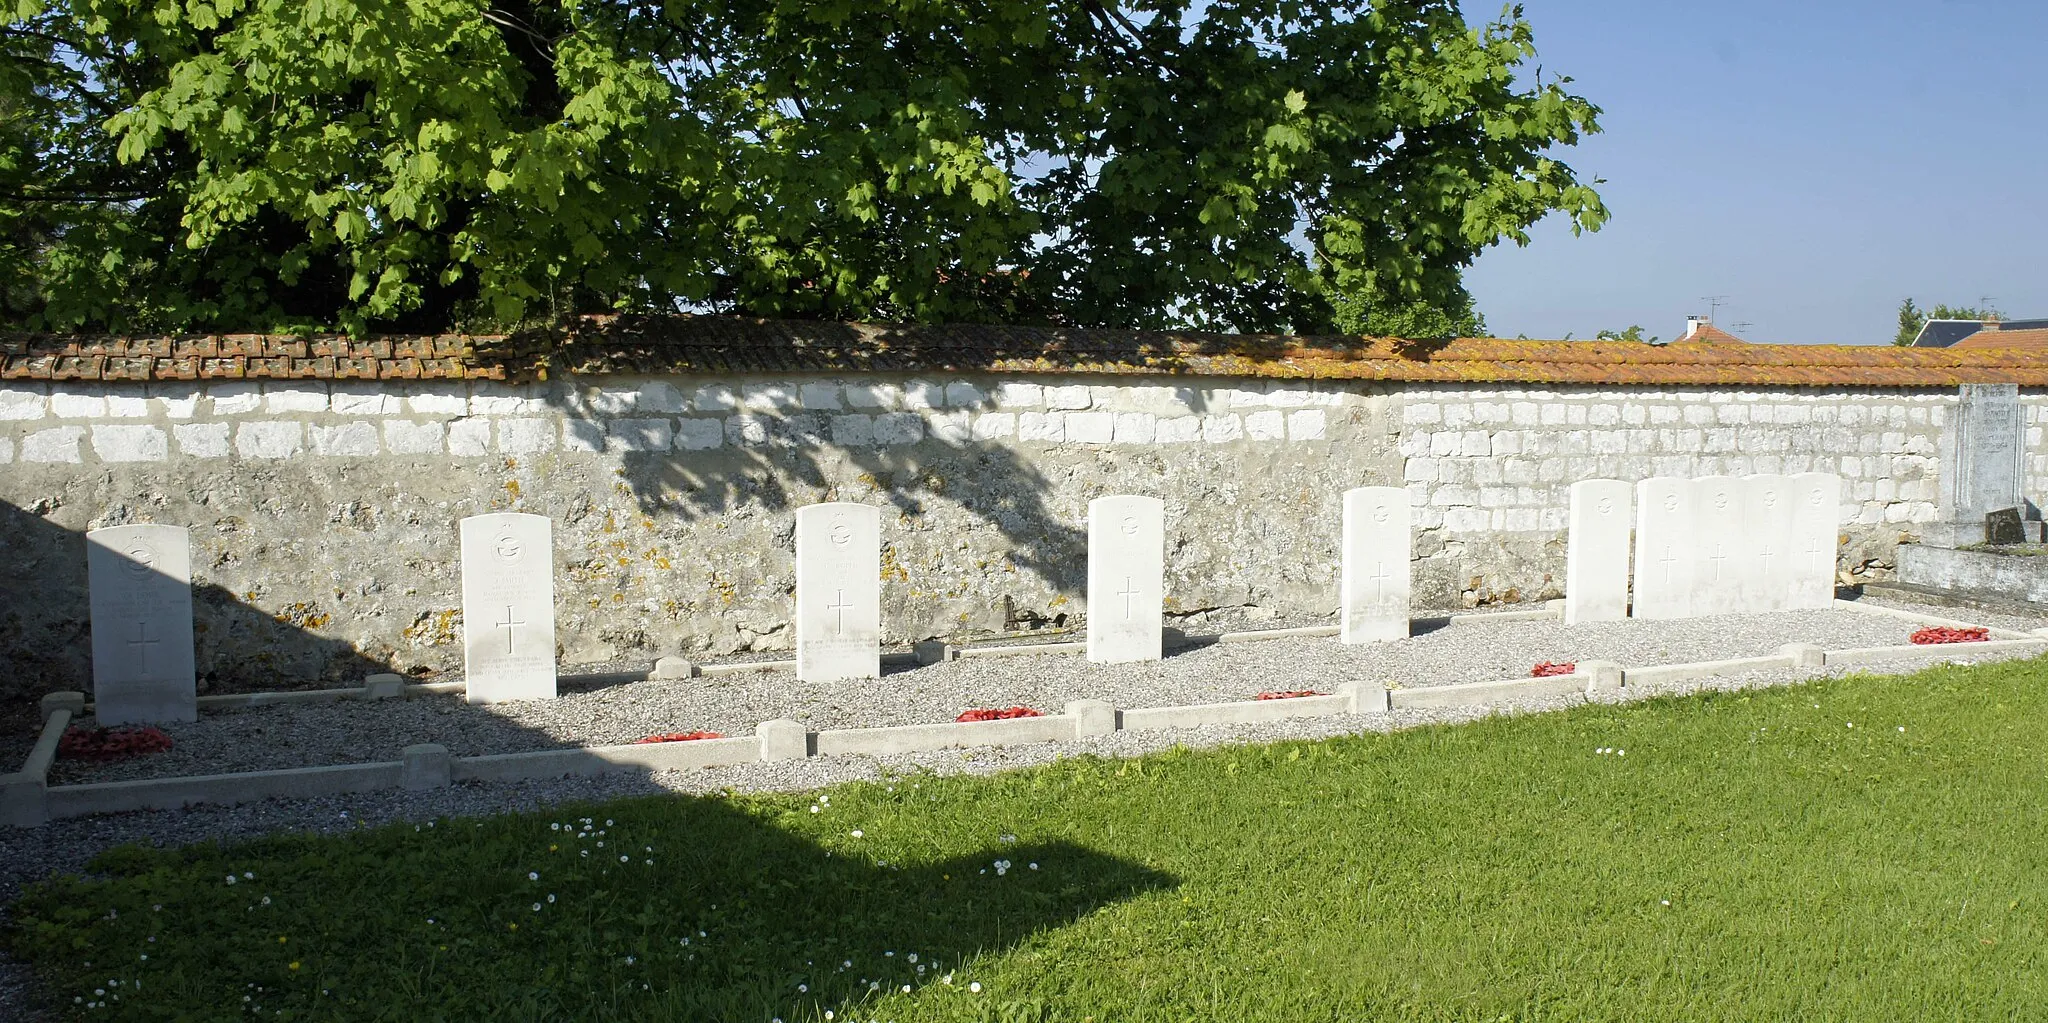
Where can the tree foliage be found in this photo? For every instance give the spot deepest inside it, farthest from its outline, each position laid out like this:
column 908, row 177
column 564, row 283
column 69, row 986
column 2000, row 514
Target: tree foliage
column 1633, row 333
column 430, row 164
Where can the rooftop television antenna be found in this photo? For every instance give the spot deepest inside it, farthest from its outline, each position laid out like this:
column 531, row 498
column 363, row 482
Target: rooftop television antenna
column 1714, row 304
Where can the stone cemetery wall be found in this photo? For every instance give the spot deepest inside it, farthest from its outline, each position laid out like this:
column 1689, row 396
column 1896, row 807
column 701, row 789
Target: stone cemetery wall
column 1488, row 468
column 323, row 515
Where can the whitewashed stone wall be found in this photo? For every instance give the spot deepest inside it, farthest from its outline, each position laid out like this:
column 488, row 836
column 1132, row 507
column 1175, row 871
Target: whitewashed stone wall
column 1488, row 467
column 324, row 516
column 331, row 510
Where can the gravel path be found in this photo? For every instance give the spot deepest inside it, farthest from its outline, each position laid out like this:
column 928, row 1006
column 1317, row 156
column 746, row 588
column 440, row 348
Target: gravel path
column 65, row 846
column 304, row 735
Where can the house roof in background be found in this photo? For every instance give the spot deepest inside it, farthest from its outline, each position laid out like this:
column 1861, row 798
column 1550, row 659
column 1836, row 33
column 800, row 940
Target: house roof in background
column 2029, row 338
column 731, row 346
column 1943, row 333
column 1705, row 333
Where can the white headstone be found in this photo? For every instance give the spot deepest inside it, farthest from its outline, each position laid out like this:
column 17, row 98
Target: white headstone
column 1719, row 552
column 838, row 592
column 1767, row 527
column 139, row 589
column 1375, row 583
column 1816, row 521
column 1665, row 546
column 508, row 607
column 1126, row 578
column 1596, row 551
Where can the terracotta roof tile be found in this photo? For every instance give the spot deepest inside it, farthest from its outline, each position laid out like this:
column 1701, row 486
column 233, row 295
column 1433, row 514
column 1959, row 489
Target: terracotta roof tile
column 2031, row 340
column 725, row 346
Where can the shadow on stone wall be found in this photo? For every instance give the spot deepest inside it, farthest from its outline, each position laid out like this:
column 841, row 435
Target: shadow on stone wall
column 46, row 628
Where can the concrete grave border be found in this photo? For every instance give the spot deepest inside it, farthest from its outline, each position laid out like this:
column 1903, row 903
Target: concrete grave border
column 27, row 800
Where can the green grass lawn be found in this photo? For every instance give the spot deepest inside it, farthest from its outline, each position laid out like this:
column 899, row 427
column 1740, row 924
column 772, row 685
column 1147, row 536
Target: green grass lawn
column 1733, row 857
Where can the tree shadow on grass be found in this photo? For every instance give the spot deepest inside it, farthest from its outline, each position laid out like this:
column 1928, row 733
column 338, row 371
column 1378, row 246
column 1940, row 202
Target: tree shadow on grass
column 656, row 909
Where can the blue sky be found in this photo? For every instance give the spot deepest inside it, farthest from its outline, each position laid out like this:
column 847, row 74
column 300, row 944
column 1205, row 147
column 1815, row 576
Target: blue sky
column 1815, row 161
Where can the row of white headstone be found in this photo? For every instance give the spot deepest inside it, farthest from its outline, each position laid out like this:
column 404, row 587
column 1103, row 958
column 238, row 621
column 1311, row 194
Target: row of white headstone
column 1701, row 547
column 141, row 598
column 1709, row 546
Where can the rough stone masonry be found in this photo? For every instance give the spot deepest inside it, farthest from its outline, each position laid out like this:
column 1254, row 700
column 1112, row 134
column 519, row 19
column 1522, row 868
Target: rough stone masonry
column 323, row 512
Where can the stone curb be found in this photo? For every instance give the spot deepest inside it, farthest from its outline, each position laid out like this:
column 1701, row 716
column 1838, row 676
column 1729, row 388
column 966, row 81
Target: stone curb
column 1466, row 694
column 1663, row 673
column 1254, row 635
column 1931, row 651
column 242, row 787
column 27, row 800
column 588, row 760
column 1913, row 616
column 950, row 735
column 1020, row 649
column 1241, row 712
column 25, row 794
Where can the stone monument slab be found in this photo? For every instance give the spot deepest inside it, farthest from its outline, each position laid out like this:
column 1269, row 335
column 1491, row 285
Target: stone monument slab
column 1375, row 582
column 1665, row 555
column 1718, row 545
column 838, row 592
column 508, row 607
column 139, row 590
column 1601, row 515
column 1816, row 532
column 1126, row 579
column 1767, row 535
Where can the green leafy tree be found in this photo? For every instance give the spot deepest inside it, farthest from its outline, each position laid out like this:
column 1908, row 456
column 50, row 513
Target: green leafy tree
column 436, row 164
column 1633, row 333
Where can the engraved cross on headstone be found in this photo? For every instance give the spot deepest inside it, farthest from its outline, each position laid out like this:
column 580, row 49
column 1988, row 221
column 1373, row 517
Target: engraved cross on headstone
column 1765, row 555
column 1669, row 559
column 1379, row 578
column 1717, row 559
column 1130, row 592
column 838, row 609
column 142, row 643
column 511, row 621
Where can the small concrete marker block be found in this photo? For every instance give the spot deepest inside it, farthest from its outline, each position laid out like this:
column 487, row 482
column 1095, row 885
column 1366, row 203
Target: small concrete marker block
column 1804, row 655
column 1367, row 697
column 932, row 651
column 383, row 686
column 51, row 703
column 23, row 801
column 1596, row 552
column 783, row 739
column 427, row 765
column 673, row 668
column 1091, row 717
column 1601, row 676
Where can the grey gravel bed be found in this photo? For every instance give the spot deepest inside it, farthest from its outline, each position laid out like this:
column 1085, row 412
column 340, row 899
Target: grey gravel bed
column 303, row 735
column 65, row 846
